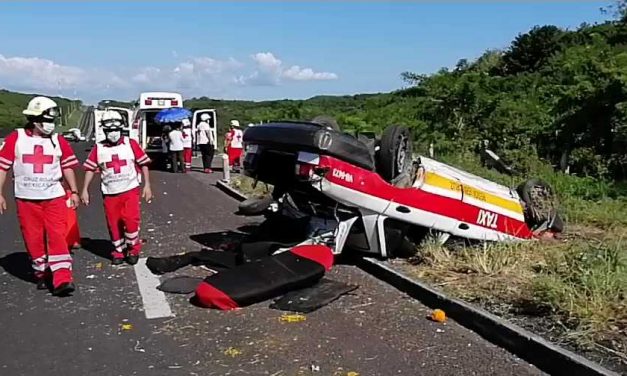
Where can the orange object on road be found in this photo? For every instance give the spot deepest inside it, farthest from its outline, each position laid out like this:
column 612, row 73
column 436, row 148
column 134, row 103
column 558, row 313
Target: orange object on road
column 438, row 315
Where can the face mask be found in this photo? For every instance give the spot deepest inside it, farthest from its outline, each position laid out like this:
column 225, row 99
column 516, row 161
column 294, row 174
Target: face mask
column 45, row 128
column 113, row 136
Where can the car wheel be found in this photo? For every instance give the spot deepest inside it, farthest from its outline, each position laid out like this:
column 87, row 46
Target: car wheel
column 540, row 204
column 327, row 122
column 255, row 205
column 395, row 152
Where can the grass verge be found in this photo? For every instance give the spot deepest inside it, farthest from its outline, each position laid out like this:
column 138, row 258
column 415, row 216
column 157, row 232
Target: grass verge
column 248, row 187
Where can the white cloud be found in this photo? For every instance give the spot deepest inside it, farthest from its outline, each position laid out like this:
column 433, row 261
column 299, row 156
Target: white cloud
column 33, row 72
column 307, row 74
column 195, row 76
column 270, row 71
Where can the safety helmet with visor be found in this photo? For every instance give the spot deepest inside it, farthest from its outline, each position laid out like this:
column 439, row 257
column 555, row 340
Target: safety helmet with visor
column 112, row 125
column 42, row 112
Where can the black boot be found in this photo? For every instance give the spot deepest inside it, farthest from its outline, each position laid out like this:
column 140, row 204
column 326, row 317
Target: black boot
column 64, row 289
column 117, row 261
column 132, row 260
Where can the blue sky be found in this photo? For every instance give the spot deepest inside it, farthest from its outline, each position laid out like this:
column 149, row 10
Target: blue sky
column 254, row 50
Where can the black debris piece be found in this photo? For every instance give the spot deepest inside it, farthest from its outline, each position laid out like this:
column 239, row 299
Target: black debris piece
column 314, row 297
column 180, row 284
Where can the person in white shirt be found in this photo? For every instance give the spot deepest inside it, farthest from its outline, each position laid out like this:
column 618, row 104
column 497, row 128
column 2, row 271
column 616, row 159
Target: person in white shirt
column 176, row 148
column 205, row 141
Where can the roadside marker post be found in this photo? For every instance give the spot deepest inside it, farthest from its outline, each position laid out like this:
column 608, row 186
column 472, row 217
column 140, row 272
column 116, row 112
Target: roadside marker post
column 226, row 174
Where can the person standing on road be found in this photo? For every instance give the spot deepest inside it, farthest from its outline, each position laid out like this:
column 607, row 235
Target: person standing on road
column 119, row 159
column 41, row 160
column 205, row 141
column 188, row 141
column 234, row 144
column 176, row 148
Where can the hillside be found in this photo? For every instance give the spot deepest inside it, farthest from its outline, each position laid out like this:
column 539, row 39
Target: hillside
column 12, row 104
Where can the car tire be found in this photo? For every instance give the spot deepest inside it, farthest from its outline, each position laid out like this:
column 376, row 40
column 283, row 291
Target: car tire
column 395, row 153
column 540, row 204
column 255, row 205
column 327, row 122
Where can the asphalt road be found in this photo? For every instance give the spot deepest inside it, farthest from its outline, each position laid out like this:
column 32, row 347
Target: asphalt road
column 373, row 331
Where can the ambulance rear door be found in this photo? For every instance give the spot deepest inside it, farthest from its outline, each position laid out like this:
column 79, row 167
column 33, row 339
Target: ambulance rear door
column 213, row 123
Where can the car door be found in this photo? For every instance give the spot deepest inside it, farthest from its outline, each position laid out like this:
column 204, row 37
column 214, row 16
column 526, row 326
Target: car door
column 213, row 123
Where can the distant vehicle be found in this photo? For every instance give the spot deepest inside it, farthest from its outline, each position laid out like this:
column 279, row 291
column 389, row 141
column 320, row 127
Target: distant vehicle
column 148, row 131
column 73, row 134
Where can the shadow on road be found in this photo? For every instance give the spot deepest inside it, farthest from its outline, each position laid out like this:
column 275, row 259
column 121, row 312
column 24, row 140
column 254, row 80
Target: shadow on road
column 18, row 265
column 99, row 247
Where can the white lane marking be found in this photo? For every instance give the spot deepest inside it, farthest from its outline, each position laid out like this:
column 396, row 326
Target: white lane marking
column 155, row 303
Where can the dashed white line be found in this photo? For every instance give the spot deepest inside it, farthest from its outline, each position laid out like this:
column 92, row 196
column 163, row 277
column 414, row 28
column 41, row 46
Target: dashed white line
column 155, row 302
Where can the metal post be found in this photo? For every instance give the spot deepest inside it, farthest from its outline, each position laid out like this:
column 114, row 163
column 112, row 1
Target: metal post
column 431, row 150
column 226, row 174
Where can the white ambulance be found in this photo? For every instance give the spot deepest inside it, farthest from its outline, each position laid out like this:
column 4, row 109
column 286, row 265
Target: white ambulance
column 144, row 125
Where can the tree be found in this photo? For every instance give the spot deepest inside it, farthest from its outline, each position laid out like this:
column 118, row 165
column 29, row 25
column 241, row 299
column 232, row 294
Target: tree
column 531, row 51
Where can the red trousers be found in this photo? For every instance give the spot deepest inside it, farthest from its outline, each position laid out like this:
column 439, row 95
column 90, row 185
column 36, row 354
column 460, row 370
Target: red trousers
column 43, row 224
column 123, row 219
column 187, row 158
column 234, row 155
column 72, row 233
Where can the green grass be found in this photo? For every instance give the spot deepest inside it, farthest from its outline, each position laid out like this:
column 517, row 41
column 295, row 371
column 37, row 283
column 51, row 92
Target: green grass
column 74, row 118
column 247, row 186
column 579, row 283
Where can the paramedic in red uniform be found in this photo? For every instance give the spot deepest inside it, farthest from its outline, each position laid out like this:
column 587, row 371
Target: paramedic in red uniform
column 41, row 160
column 119, row 160
column 187, row 143
column 234, row 144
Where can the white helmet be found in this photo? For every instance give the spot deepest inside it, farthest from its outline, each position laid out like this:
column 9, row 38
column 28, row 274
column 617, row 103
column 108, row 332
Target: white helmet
column 205, row 117
column 42, row 107
column 234, row 123
column 111, row 120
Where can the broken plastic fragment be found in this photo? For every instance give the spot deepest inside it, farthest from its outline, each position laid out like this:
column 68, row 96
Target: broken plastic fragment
column 232, row 352
column 292, row 318
column 127, row 326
